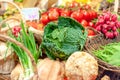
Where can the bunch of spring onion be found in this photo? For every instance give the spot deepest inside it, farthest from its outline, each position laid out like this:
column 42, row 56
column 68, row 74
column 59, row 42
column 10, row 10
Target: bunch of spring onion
column 27, row 39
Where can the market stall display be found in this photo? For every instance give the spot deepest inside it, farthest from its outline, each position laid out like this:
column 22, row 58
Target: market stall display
column 60, row 40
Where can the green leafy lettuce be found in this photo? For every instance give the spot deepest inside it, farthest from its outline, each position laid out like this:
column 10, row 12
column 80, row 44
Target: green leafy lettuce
column 63, row 38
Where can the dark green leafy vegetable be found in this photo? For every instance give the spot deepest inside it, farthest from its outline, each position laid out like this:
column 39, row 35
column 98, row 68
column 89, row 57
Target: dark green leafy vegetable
column 109, row 53
column 62, row 39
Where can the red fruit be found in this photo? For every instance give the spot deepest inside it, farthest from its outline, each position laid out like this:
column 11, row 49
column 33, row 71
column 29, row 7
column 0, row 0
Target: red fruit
column 90, row 16
column 91, row 33
column 65, row 13
column 65, row 78
column 54, row 9
column 84, row 23
column 85, row 14
column 74, row 4
column 86, row 6
column 77, row 15
column 53, row 15
column 91, row 24
column 44, row 19
column 94, row 14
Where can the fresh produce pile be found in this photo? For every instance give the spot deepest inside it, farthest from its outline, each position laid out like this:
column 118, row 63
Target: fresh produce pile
column 82, row 13
column 59, row 55
column 109, row 53
column 108, row 24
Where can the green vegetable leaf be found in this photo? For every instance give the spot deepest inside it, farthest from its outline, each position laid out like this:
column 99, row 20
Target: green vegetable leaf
column 109, row 53
column 62, row 39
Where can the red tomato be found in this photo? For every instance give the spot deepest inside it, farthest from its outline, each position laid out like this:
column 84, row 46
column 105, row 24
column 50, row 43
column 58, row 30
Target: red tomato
column 91, row 15
column 65, row 78
column 44, row 19
column 77, row 15
column 86, row 6
column 74, row 4
column 94, row 14
column 91, row 33
column 91, row 24
column 54, row 8
column 65, row 13
column 53, row 15
column 86, row 14
column 84, row 23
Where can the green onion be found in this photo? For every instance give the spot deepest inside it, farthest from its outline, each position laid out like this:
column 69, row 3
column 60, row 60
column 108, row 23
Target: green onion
column 29, row 42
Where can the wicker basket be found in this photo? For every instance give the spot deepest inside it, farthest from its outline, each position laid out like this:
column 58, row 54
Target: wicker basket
column 104, row 68
column 6, row 38
column 6, row 63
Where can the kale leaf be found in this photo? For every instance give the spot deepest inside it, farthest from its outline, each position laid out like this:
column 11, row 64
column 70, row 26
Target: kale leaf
column 61, row 39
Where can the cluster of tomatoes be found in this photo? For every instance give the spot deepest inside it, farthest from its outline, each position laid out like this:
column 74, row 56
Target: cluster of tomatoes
column 83, row 14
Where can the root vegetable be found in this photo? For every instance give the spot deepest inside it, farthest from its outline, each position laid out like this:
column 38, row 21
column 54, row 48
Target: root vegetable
column 81, row 66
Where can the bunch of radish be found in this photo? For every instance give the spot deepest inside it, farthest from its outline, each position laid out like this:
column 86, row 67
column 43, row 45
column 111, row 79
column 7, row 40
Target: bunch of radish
column 108, row 24
column 16, row 30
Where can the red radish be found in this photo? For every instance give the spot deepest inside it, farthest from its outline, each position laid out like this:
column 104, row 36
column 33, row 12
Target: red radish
column 114, row 18
column 98, row 28
column 101, row 21
column 114, row 28
column 107, row 17
column 109, row 35
column 104, row 26
column 115, row 33
column 16, row 30
column 107, row 22
column 104, row 31
column 112, row 24
column 118, row 24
